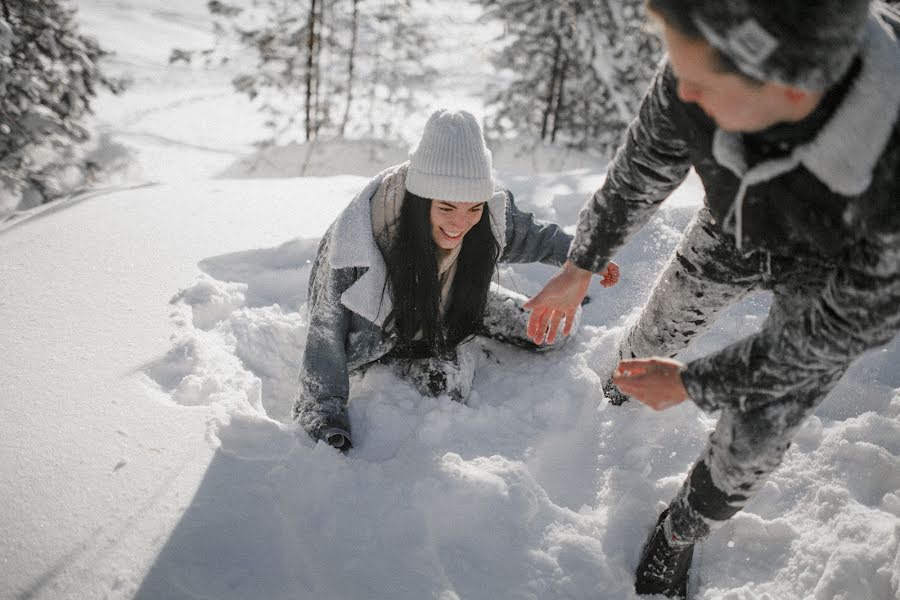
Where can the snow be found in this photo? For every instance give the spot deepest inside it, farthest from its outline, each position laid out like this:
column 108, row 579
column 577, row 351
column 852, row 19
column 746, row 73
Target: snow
column 151, row 337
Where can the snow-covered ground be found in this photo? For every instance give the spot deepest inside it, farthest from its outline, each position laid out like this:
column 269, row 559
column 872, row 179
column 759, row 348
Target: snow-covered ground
column 150, row 346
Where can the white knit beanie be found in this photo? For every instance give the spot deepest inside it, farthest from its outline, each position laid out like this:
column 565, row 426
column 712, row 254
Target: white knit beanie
column 451, row 162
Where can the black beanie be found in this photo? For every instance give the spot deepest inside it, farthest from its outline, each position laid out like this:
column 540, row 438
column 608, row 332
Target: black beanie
column 808, row 44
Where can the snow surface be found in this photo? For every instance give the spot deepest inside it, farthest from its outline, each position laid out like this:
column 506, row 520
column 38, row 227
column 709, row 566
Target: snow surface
column 151, row 338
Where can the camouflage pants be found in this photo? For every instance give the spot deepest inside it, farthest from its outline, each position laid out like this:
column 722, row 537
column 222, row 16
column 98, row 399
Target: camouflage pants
column 505, row 320
column 705, row 275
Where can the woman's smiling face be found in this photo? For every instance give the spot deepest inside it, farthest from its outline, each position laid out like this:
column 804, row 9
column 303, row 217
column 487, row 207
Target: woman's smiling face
column 451, row 221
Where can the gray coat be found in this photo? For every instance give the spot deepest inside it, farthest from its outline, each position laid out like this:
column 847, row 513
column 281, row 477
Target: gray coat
column 830, row 201
column 348, row 300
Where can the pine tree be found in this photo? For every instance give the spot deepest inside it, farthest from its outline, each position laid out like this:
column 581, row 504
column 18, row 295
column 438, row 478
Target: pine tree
column 622, row 57
column 535, row 54
column 310, row 76
column 394, row 65
column 579, row 69
column 48, row 76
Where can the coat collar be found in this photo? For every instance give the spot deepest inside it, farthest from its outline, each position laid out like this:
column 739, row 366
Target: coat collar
column 844, row 153
column 353, row 245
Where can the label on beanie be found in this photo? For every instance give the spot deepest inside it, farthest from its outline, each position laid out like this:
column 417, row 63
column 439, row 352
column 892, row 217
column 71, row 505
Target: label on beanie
column 751, row 42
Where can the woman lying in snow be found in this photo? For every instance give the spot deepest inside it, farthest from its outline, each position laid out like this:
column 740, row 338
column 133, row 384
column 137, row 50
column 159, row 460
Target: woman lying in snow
column 403, row 276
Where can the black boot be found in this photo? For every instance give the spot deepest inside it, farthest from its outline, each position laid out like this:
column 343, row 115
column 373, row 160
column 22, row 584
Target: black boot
column 664, row 568
column 615, row 397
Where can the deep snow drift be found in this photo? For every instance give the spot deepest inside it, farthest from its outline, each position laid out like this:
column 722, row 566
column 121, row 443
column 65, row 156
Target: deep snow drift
column 152, row 340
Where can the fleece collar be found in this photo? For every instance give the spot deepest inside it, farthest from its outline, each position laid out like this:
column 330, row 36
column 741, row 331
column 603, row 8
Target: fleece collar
column 844, row 153
column 353, row 245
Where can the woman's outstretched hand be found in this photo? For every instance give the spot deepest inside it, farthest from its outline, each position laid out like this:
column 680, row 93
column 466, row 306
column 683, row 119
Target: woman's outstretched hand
column 559, row 300
column 654, row 381
column 609, row 275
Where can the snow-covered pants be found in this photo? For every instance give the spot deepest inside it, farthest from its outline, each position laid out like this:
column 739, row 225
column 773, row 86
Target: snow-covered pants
column 705, row 275
column 505, row 320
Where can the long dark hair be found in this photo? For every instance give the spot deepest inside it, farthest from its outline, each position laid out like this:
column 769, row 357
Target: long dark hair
column 416, row 291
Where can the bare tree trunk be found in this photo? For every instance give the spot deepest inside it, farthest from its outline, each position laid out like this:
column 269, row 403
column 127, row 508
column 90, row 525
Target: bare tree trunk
column 373, row 92
column 555, row 74
column 559, row 99
column 310, row 56
column 551, row 92
column 350, row 57
column 317, row 70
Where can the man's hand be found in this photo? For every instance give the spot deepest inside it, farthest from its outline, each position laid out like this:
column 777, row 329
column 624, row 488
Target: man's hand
column 654, row 381
column 559, row 299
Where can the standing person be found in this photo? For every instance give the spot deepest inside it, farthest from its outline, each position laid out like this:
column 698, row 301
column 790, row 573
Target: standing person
column 403, row 275
column 788, row 112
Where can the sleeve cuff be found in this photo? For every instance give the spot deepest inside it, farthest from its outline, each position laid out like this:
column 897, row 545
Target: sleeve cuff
column 692, row 379
column 582, row 262
column 339, row 438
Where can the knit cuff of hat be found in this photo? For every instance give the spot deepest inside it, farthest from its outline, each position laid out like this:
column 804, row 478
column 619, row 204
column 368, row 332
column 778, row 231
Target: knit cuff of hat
column 790, row 42
column 448, row 188
column 803, row 44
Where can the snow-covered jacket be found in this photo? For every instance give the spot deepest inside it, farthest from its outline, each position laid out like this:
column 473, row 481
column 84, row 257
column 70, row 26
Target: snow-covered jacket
column 833, row 199
column 348, row 298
